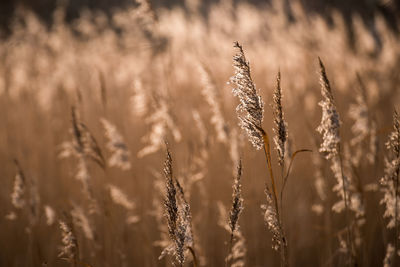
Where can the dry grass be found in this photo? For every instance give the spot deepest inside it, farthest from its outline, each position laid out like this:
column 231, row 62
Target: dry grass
column 85, row 111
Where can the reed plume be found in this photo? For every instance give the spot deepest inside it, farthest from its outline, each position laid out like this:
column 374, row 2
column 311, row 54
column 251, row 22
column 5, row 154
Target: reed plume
column 330, row 122
column 390, row 184
column 139, row 100
column 251, row 107
column 80, row 220
column 186, row 215
column 185, row 220
column 83, row 146
column 250, row 114
column 178, row 218
column 330, row 147
column 388, row 261
column 271, row 219
column 363, row 128
column 210, row 94
column 120, row 198
column 161, row 122
column 178, row 214
column 359, row 113
column 69, row 250
column 237, row 201
column 50, row 215
column 83, row 143
column 280, row 124
column 19, row 190
column 171, row 207
column 25, row 197
column 197, row 167
column 237, row 247
column 116, row 145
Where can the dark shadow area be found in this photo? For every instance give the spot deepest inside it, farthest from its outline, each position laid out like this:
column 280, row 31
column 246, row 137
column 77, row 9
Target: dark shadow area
column 367, row 10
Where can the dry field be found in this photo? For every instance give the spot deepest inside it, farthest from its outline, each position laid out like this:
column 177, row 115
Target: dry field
column 163, row 137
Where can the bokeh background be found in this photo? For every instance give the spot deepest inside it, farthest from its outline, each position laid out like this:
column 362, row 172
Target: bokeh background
column 161, row 72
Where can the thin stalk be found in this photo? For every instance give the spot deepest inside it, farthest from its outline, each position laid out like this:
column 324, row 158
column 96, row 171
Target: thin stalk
column 289, row 169
column 282, row 179
column 271, row 174
column 349, row 232
column 396, row 193
column 274, row 193
column 195, row 263
column 396, row 221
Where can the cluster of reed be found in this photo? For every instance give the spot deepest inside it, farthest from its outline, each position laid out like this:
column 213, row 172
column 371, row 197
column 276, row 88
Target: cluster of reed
column 100, row 106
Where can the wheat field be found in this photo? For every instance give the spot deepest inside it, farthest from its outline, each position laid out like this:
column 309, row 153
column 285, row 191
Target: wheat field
column 157, row 136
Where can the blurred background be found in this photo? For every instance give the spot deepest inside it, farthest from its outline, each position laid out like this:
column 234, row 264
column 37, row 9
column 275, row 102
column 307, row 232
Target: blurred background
column 366, row 9
column 129, row 75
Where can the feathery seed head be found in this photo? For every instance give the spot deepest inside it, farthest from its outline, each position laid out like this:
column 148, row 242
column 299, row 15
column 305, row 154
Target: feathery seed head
column 179, row 218
column 394, row 137
column 17, row 196
column 389, row 181
column 50, row 214
column 359, row 113
column 120, row 198
column 271, row 220
column 280, row 124
column 210, row 94
column 69, row 248
column 237, row 201
column 185, row 215
column 389, row 257
column 170, row 204
column 180, row 237
column 83, row 143
column 330, row 122
column 80, row 219
column 251, row 107
column 116, row 145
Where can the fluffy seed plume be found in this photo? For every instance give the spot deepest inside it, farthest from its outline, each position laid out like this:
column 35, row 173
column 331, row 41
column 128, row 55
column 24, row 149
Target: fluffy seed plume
column 50, row 214
column 390, row 181
column 237, row 201
column 161, row 122
column 179, row 217
column 83, row 146
column 83, row 143
column 120, row 198
column 280, row 124
column 180, row 238
column 116, row 145
column 177, row 226
column 210, row 94
column 69, row 248
column 18, row 194
column 330, row 122
column 359, row 113
column 82, row 221
column 272, row 221
column 394, row 138
column 171, row 207
column 139, row 100
column 251, row 107
column 238, row 251
column 390, row 254
column 186, row 215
